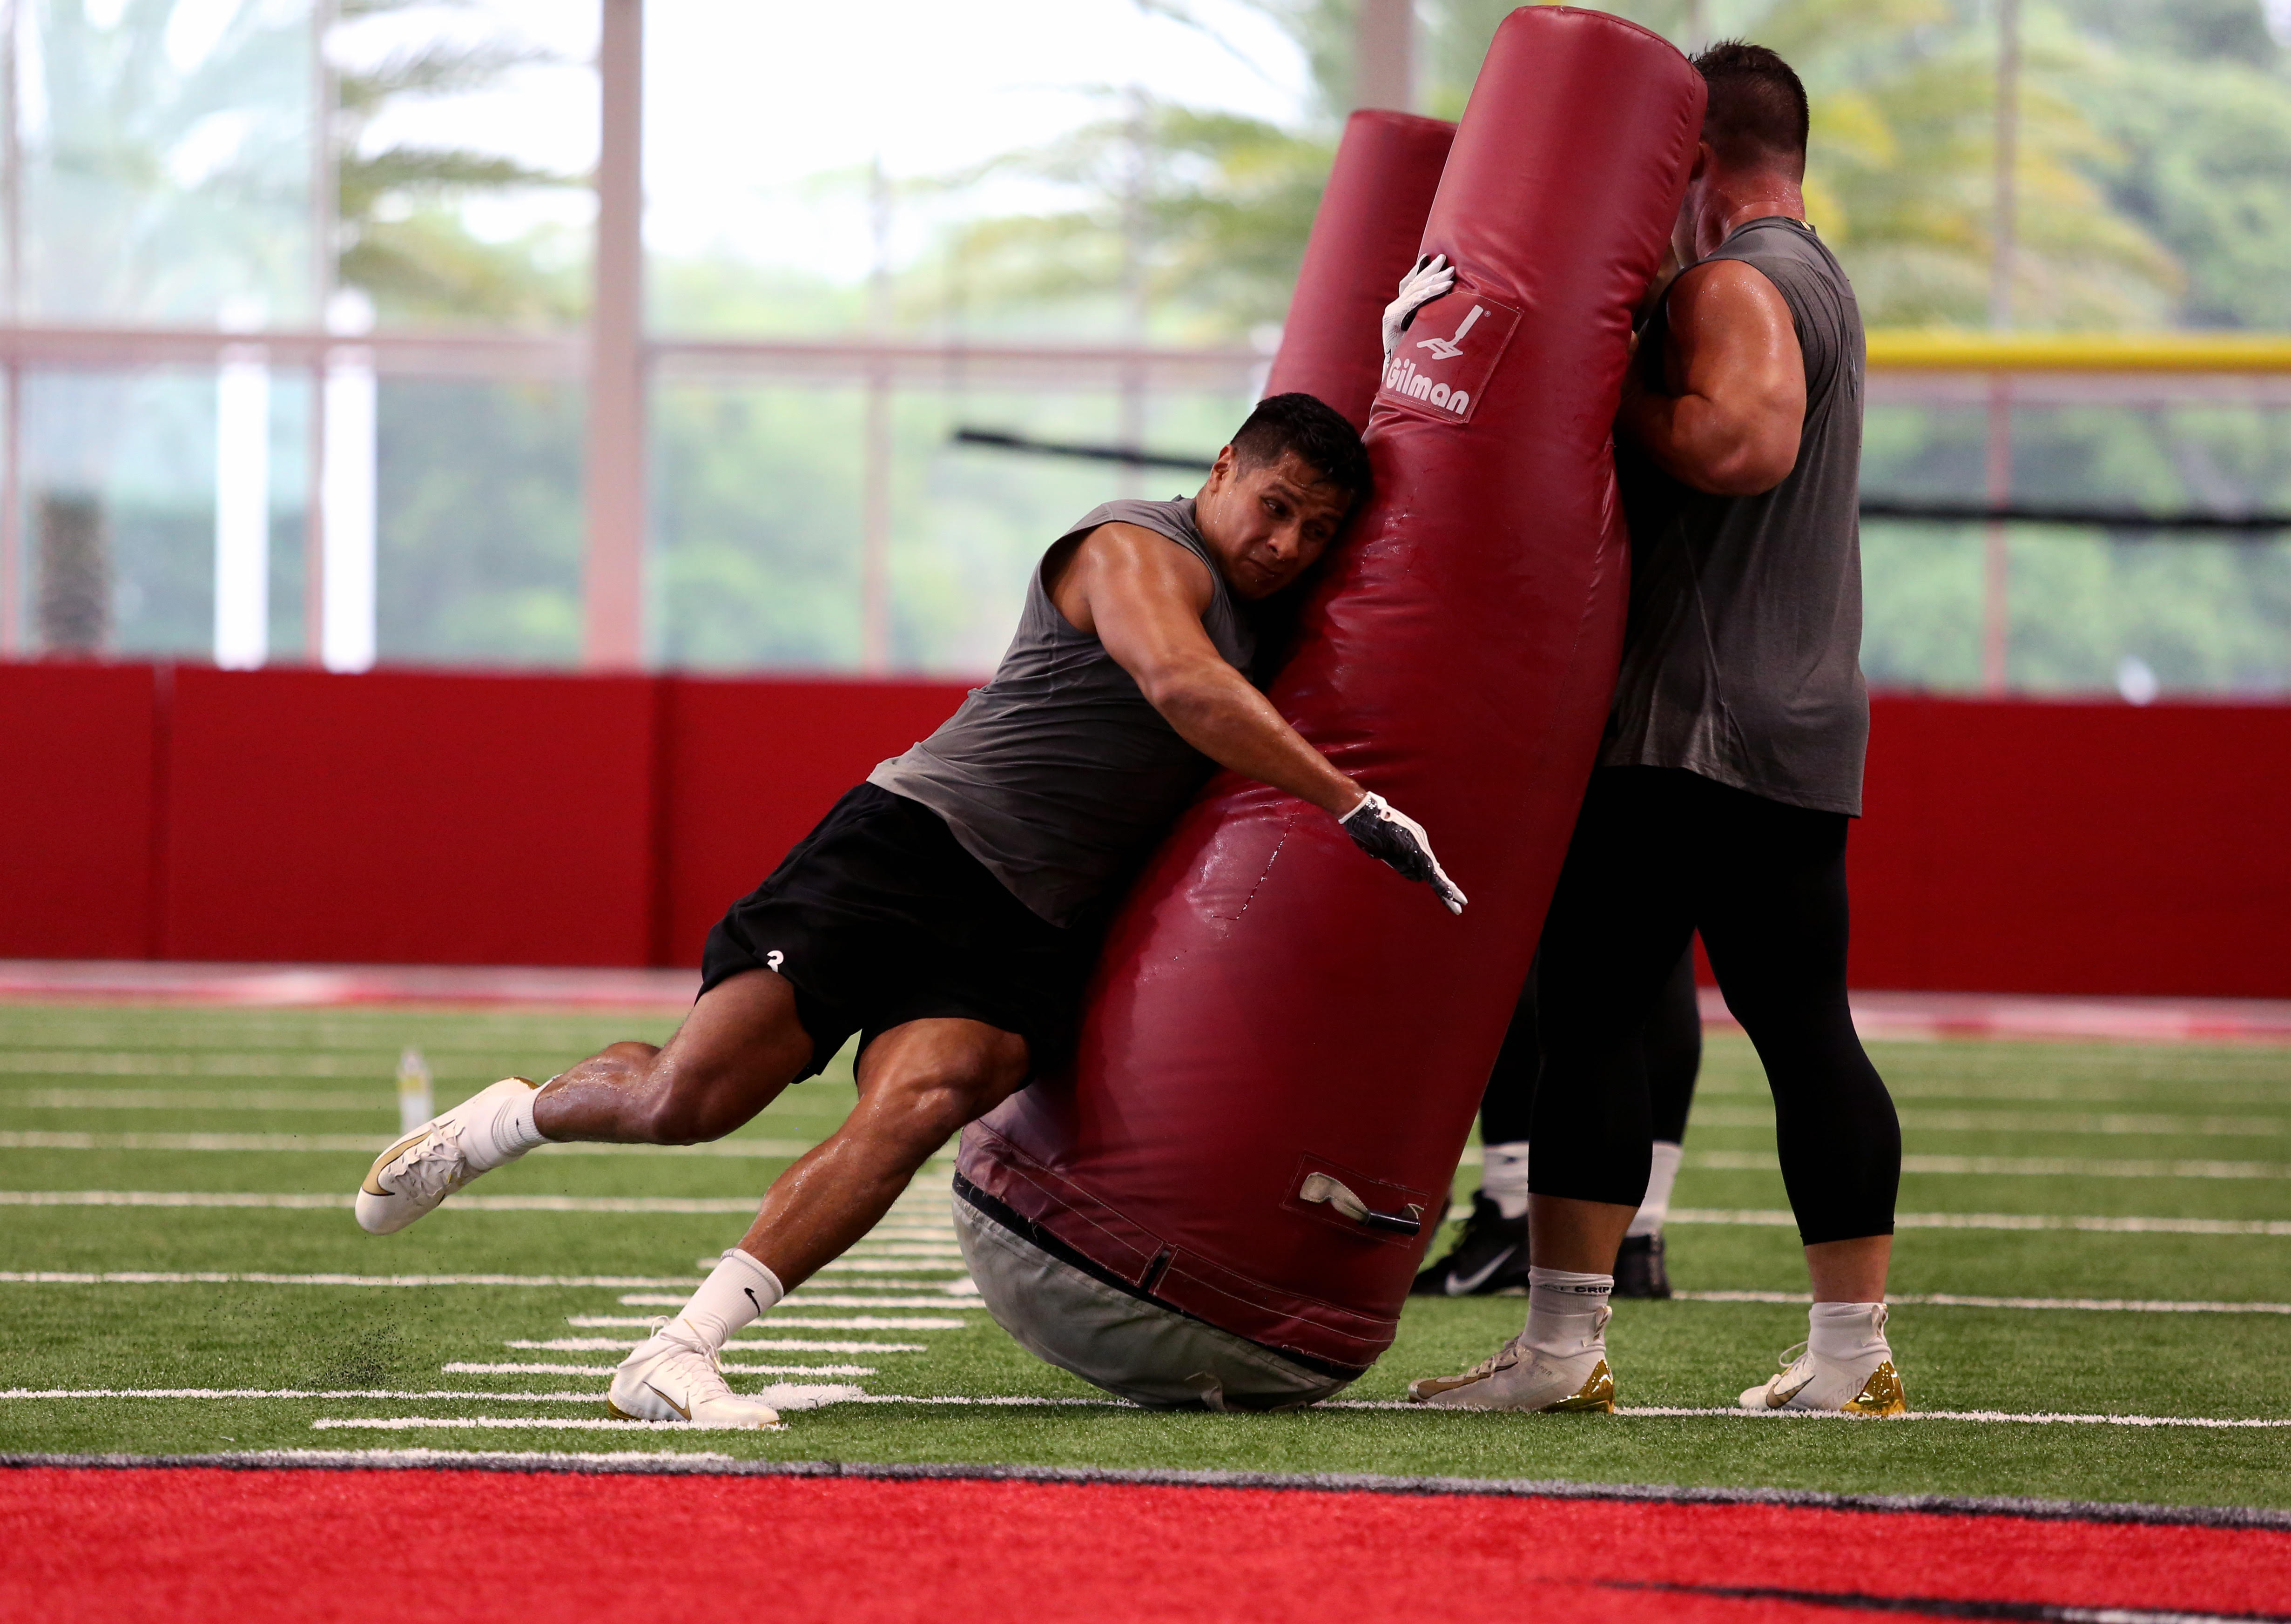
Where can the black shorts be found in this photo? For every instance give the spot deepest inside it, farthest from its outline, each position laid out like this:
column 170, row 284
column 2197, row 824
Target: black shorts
column 880, row 917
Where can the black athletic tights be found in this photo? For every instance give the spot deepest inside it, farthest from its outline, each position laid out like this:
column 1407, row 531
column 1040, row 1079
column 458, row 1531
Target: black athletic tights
column 1659, row 853
column 1670, row 1049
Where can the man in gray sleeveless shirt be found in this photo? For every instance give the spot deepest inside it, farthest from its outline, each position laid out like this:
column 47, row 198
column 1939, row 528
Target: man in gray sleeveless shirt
column 1732, row 764
column 944, row 910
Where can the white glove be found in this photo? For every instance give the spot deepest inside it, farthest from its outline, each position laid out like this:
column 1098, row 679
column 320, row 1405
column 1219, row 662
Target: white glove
column 1432, row 277
column 1396, row 839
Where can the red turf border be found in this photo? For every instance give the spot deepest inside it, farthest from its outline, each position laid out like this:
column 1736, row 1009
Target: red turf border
column 198, row 1543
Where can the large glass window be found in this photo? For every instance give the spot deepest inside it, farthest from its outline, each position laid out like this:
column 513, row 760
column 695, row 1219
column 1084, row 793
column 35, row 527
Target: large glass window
column 299, row 299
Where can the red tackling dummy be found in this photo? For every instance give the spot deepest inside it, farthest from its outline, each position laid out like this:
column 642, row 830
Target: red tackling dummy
column 1285, row 1040
column 1364, row 238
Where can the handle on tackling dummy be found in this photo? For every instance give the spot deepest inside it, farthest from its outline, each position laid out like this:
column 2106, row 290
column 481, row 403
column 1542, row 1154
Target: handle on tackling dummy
column 1320, row 1187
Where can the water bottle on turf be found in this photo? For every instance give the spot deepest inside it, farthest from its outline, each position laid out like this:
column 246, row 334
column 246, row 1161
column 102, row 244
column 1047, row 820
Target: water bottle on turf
column 414, row 1104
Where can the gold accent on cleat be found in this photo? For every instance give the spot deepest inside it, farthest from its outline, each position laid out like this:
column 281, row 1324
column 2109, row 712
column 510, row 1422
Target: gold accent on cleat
column 1882, row 1394
column 372, row 1185
column 1778, row 1396
column 1597, row 1393
column 1424, row 1388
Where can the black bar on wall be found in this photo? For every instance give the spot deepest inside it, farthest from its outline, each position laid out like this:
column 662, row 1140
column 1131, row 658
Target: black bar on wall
column 2232, row 527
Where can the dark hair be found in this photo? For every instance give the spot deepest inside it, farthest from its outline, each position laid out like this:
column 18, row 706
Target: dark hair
column 1757, row 113
column 1315, row 431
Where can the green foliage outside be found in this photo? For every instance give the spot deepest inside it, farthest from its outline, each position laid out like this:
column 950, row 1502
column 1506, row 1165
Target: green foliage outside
column 2155, row 185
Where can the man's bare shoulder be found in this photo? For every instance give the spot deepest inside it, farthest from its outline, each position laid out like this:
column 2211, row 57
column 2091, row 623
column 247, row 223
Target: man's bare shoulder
column 1132, row 553
column 1718, row 293
column 1120, row 561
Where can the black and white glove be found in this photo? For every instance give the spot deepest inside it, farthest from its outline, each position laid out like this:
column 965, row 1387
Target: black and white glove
column 1431, row 278
column 1396, row 839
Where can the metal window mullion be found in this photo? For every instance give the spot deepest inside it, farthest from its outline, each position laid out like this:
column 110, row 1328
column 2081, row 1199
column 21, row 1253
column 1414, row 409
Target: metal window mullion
column 613, row 578
column 11, row 447
column 324, row 184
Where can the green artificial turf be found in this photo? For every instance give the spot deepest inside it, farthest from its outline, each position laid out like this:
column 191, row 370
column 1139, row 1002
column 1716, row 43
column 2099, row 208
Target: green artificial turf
column 2090, row 1109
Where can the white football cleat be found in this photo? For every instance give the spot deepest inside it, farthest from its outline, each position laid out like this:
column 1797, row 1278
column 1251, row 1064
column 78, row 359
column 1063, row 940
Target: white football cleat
column 438, row 1158
column 668, row 1379
column 1523, row 1378
column 1808, row 1381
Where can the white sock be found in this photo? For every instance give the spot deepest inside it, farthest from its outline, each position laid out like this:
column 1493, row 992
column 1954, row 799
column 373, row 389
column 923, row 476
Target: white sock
column 514, row 1132
column 506, row 1135
column 1662, row 1175
column 1849, row 1333
column 1563, row 1310
column 1503, row 1176
column 737, row 1290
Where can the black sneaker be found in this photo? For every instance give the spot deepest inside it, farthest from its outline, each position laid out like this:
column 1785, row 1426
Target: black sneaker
column 1490, row 1259
column 1638, row 1267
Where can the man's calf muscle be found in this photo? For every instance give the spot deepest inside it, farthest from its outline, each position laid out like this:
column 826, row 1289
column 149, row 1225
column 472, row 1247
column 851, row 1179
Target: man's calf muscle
column 738, row 1048
column 918, row 1083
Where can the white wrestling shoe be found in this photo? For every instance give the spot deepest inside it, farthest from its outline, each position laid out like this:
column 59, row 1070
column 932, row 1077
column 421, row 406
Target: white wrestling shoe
column 667, row 1379
column 1807, row 1381
column 426, row 1166
column 1532, row 1378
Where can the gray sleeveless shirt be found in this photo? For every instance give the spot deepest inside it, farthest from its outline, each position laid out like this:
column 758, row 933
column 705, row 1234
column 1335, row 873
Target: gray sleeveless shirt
column 1742, row 661
column 1057, row 776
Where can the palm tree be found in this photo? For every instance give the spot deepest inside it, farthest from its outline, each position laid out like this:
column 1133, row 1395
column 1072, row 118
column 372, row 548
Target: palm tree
column 403, row 240
column 1901, row 179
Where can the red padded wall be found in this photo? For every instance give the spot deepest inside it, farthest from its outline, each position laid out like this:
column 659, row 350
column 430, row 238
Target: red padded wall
column 77, row 749
column 1365, row 236
column 750, row 765
column 2075, row 848
column 2021, row 846
column 405, row 817
column 1271, row 1003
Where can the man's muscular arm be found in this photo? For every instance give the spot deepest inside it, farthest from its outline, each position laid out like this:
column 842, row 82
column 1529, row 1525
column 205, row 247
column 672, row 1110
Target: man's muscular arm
column 1729, row 425
column 1144, row 597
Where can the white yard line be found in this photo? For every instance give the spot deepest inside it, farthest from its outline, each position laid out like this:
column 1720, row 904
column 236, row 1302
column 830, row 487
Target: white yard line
column 2039, row 1417
column 770, row 1344
column 901, row 1248
column 2015, row 1166
column 376, row 1100
column 945, row 1294
column 458, row 1457
column 463, row 1368
column 171, row 1198
column 2029, row 1419
column 1917, row 1117
column 862, row 1322
column 136, row 1277
column 951, row 1298
column 374, row 1066
column 1781, row 1218
column 709, row 1205
column 599, row 1322
column 1950, row 1299
column 367, row 1145
column 430, row 1423
column 782, row 1396
column 378, row 1396
column 898, row 1229
column 791, row 1394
